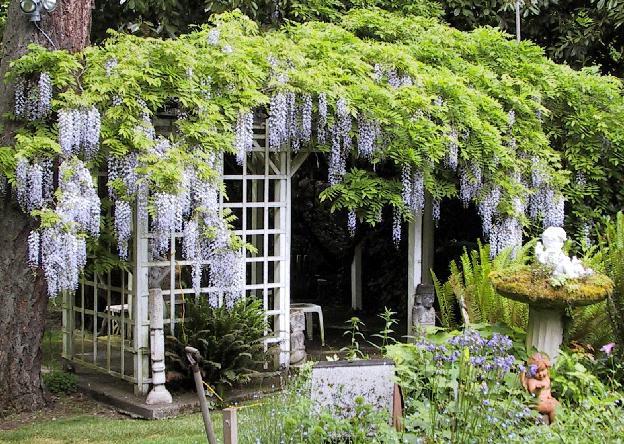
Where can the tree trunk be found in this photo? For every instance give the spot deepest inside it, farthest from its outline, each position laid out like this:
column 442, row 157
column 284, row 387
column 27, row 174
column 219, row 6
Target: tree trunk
column 23, row 296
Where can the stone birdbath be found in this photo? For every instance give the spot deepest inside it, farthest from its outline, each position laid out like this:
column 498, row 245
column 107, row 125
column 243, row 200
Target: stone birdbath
column 554, row 283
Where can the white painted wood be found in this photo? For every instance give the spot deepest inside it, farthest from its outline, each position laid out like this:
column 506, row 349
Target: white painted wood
column 159, row 393
column 414, row 264
column 140, row 302
column 296, row 163
column 356, row 278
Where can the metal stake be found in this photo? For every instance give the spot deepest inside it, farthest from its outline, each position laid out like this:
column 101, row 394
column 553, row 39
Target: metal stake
column 192, row 354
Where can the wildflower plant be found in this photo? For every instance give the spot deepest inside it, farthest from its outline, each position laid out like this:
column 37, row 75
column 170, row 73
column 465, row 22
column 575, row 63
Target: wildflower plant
column 462, row 387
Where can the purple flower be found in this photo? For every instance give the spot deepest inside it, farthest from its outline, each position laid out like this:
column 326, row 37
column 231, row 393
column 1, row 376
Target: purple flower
column 608, row 348
column 532, row 371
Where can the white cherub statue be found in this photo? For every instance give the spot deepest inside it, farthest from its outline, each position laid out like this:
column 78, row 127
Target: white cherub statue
column 551, row 254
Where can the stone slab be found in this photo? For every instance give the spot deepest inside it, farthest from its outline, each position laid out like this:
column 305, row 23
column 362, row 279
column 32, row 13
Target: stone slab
column 120, row 395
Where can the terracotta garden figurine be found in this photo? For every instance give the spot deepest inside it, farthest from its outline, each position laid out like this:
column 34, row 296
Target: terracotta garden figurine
column 537, row 382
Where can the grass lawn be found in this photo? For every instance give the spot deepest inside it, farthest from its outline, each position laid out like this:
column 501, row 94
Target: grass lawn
column 96, row 429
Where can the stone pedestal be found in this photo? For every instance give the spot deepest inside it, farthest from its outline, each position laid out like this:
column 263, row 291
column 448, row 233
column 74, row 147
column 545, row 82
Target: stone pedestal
column 297, row 337
column 159, row 393
column 545, row 331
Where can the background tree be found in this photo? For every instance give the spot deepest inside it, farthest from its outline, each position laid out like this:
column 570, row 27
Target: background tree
column 24, row 298
column 579, row 32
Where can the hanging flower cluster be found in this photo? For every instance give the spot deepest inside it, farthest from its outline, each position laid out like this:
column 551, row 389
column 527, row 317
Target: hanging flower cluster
column 488, row 208
column 61, row 249
column 322, row 118
column 33, row 101
column 351, row 222
column 79, row 131
column 340, row 143
column 79, row 203
column 33, row 183
column 368, row 132
column 470, row 183
column 413, row 189
column 123, row 227
column 504, row 234
column 396, row 227
column 206, row 243
column 243, row 136
column 435, row 211
column 62, row 254
column 451, row 158
column 392, row 76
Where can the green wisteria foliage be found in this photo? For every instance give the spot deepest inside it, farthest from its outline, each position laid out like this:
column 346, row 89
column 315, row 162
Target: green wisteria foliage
column 401, row 104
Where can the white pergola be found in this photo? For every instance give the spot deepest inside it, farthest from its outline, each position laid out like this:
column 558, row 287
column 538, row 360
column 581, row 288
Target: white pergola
column 106, row 323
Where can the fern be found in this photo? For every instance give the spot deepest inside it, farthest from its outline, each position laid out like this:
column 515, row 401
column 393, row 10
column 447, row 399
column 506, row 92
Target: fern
column 469, row 288
column 230, row 341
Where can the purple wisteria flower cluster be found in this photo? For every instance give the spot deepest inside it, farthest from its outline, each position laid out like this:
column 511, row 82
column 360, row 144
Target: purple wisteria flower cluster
column 470, row 182
column 79, row 131
column 32, row 184
column 33, row 100
column 195, row 213
column 351, row 222
column 368, row 132
column 413, row 191
column 392, row 76
column 243, row 135
column 61, row 249
column 452, row 154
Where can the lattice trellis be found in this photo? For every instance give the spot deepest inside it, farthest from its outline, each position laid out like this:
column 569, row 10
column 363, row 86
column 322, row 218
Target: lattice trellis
column 106, row 325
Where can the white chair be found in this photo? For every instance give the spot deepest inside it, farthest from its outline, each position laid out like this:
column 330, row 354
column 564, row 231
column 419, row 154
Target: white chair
column 309, row 310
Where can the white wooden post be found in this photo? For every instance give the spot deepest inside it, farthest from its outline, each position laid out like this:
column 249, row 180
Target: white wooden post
column 159, row 393
column 356, row 278
column 140, row 335
column 414, row 264
column 284, row 264
column 68, row 325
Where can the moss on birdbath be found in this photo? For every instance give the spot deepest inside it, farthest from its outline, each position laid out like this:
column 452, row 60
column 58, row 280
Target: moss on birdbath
column 535, row 285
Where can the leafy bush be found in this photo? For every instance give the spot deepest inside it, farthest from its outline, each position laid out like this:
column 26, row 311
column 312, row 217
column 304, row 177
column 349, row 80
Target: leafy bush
column 229, row 341
column 59, row 382
column 573, row 381
column 470, row 289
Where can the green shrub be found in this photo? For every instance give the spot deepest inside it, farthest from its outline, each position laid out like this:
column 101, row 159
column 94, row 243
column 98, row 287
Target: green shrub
column 572, row 381
column 59, row 382
column 602, row 323
column 230, row 341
